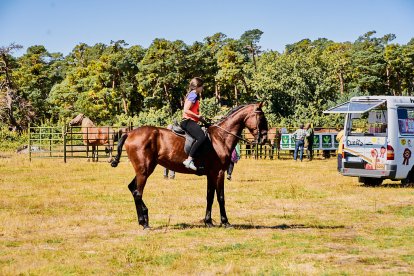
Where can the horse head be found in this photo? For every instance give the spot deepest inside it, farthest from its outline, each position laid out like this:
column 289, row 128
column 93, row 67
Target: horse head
column 256, row 123
column 77, row 120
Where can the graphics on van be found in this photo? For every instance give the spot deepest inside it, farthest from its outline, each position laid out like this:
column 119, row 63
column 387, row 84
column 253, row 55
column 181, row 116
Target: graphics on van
column 406, row 156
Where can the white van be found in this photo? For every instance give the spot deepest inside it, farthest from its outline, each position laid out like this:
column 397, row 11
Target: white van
column 378, row 138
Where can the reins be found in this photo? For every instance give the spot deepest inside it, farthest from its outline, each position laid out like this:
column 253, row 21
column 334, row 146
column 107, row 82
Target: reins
column 235, row 135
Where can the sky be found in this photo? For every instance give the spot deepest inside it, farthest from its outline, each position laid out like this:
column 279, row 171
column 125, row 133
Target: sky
column 60, row 25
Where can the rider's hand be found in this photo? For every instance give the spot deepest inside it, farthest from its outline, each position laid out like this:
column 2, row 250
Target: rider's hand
column 204, row 121
column 201, row 118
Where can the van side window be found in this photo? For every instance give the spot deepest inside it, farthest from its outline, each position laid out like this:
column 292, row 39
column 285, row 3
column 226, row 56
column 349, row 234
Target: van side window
column 406, row 120
column 371, row 123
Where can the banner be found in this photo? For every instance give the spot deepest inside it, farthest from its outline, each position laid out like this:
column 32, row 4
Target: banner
column 321, row 141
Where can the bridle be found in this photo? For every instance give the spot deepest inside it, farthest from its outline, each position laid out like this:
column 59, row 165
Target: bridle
column 257, row 112
column 259, row 132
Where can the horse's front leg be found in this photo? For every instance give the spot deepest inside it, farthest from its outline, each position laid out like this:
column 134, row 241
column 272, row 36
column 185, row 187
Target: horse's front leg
column 221, row 201
column 211, row 188
column 142, row 210
column 93, row 153
column 95, row 150
column 87, row 152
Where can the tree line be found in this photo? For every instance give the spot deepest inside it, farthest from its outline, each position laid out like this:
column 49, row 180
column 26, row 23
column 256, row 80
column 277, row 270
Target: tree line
column 120, row 83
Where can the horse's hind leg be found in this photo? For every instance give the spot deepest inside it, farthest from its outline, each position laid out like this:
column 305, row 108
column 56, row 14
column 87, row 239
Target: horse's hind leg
column 142, row 210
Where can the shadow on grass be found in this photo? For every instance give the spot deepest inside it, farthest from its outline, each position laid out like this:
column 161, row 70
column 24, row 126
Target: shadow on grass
column 183, row 226
column 391, row 185
column 397, row 185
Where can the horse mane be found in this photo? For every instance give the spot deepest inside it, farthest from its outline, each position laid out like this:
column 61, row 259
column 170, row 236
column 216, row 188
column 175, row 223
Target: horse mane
column 231, row 112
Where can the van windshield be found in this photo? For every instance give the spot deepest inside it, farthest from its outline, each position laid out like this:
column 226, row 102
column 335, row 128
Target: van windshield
column 406, row 120
column 372, row 123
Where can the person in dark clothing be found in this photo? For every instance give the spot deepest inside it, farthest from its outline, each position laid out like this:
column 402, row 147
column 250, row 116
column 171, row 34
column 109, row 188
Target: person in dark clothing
column 169, row 174
column 191, row 116
column 309, row 141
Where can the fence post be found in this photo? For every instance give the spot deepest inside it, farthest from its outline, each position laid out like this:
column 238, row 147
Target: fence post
column 71, row 140
column 87, row 143
column 30, row 144
column 64, row 130
column 50, row 142
column 256, row 152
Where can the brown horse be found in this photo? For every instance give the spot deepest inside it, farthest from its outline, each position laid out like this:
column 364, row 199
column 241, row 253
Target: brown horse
column 273, row 143
column 273, row 137
column 148, row 146
column 94, row 136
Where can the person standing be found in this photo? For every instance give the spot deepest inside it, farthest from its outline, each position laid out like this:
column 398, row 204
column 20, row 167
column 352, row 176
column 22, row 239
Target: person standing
column 169, row 174
column 235, row 156
column 340, row 152
column 309, row 141
column 299, row 135
column 191, row 116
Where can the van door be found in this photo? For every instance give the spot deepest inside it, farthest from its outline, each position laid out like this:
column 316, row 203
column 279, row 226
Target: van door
column 404, row 150
column 365, row 139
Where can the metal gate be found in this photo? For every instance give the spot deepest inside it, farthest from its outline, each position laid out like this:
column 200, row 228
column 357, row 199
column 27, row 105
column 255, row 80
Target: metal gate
column 46, row 142
column 64, row 142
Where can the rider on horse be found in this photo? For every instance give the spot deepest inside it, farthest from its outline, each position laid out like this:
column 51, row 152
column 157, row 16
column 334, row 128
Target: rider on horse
column 191, row 116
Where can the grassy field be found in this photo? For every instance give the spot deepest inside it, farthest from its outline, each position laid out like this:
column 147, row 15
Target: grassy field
column 290, row 218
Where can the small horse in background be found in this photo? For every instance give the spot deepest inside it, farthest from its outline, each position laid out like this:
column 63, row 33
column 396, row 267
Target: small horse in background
column 95, row 136
column 273, row 137
column 249, row 145
column 272, row 144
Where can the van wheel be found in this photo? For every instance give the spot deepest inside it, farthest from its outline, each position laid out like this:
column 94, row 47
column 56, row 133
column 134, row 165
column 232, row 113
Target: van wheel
column 409, row 181
column 372, row 182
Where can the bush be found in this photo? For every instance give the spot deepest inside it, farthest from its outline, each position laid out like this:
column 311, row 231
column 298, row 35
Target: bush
column 11, row 140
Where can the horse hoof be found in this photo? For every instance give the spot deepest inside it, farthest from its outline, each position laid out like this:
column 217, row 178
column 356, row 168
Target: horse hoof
column 209, row 224
column 114, row 164
column 147, row 227
column 226, row 225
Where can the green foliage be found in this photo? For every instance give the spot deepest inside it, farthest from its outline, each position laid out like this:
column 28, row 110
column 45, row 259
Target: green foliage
column 118, row 84
column 152, row 117
column 210, row 109
column 161, row 73
column 11, row 140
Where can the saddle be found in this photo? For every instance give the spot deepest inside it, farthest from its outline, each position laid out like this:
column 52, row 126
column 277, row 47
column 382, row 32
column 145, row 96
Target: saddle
column 189, row 140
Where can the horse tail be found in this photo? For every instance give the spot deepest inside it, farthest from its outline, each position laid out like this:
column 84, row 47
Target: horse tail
column 121, row 142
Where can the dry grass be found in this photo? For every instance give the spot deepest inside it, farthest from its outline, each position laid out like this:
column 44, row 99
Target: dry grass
column 290, row 218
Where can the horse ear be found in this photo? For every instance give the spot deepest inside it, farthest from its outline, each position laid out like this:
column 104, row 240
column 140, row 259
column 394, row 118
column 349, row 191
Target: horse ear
column 260, row 105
